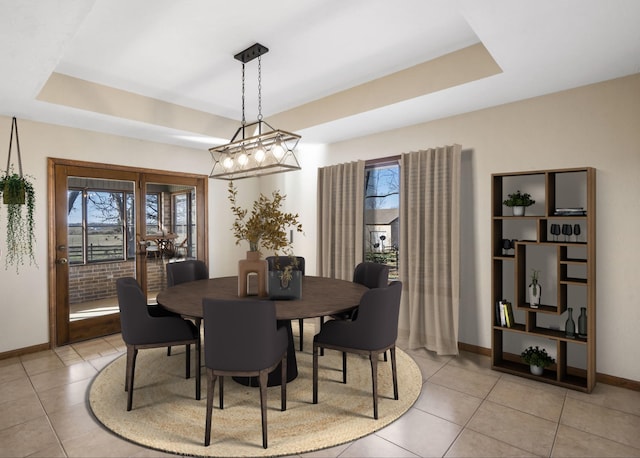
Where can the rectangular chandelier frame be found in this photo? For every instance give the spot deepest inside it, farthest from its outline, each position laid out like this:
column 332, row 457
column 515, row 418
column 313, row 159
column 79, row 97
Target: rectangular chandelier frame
column 270, row 151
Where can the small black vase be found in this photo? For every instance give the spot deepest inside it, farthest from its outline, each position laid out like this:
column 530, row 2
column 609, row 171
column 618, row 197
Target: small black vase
column 582, row 323
column 570, row 325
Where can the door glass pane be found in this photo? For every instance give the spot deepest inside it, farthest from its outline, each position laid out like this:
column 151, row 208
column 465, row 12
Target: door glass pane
column 105, row 226
column 171, row 230
column 101, row 237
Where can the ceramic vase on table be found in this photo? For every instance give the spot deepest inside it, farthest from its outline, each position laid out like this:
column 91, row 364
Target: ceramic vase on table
column 252, row 265
column 282, row 288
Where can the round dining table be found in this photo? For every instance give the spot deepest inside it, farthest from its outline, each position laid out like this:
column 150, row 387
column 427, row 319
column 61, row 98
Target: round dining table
column 320, row 297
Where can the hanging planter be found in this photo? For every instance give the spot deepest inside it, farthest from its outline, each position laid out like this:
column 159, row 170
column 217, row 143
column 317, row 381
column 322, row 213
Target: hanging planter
column 13, row 191
column 18, row 195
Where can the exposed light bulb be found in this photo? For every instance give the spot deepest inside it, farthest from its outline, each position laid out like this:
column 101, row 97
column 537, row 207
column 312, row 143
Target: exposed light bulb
column 227, row 163
column 278, row 151
column 243, row 159
column 259, row 155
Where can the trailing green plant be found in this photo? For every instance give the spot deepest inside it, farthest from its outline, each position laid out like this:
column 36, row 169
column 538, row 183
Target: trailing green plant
column 20, row 227
column 265, row 226
column 519, row 199
column 536, row 356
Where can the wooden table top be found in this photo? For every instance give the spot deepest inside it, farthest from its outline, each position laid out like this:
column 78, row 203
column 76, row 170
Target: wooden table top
column 320, row 297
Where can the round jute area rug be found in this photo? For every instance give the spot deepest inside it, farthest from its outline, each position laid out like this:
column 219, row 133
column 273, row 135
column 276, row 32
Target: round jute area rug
column 166, row 416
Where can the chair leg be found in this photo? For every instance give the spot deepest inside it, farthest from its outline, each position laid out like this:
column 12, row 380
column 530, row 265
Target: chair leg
column 374, row 379
column 385, row 356
column 394, row 372
column 198, row 322
column 263, row 404
column 211, row 383
column 301, row 325
column 283, row 385
column 315, row 373
column 187, row 368
column 168, row 351
column 198, row 373
column 132, row 352
column 221, row 393
column 344, row 367
column 321, row 324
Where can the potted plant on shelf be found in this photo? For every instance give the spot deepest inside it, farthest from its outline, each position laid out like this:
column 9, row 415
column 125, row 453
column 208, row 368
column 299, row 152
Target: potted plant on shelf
column 535, row 289
column 518, row 201
column 537, row 358
column 17, row 193
column 265, row 227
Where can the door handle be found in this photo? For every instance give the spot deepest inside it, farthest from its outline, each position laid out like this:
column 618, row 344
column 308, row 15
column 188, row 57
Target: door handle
column 62, row 261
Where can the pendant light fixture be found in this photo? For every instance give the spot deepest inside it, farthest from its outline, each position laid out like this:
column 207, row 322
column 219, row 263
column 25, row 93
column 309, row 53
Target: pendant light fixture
column 256, row 148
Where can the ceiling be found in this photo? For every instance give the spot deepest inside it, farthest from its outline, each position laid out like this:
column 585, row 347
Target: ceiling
column 163, row 70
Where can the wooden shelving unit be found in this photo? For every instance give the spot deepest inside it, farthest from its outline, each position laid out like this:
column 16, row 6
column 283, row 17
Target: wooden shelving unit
column 573, row 273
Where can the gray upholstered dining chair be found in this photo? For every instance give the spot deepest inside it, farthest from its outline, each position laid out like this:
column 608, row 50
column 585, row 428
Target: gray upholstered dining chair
column 371, row 333
column 183, row 272
column 278, row 263
column 371, row 275
column 241, row 338
column 141, row 330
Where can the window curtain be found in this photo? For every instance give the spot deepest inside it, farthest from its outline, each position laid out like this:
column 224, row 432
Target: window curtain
column 340, row 219
column 430, row 247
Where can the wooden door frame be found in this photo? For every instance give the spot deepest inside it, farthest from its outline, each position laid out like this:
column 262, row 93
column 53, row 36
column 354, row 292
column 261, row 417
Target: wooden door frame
column 57, row 172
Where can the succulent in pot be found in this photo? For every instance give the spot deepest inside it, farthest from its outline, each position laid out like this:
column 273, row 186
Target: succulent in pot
column 518, row 201
column 537, row 358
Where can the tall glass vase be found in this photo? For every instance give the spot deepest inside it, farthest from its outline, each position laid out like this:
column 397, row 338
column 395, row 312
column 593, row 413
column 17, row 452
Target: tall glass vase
column 570, row 325
column 582, row 323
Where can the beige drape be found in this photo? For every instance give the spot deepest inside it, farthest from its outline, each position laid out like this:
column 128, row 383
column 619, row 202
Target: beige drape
column 430, row 247
column 340, row 219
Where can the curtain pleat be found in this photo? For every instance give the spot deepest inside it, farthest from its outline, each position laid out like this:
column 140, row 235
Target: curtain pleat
column 340, row 219
column 429, row 262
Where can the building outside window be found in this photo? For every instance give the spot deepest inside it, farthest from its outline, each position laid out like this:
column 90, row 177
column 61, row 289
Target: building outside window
column 382, row 215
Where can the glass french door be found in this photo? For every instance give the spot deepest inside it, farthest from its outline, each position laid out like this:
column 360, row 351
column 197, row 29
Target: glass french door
column 105, row 228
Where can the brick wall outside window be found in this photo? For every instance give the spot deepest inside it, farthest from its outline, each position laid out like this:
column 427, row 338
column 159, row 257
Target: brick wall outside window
column 92, row 282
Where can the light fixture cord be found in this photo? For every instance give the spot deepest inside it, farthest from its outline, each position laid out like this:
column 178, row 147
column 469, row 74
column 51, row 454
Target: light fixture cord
column 244, row 121
column 259, row 88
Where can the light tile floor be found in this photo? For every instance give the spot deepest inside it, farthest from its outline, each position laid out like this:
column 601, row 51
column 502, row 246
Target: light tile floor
column 465, row 409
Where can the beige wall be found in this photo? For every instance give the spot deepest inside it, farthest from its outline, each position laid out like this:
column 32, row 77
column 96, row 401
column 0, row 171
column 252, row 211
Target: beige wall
column 596, row 126
column 592, row 126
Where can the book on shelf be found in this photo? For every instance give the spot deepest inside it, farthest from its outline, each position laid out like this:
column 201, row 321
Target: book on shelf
column 500, row 318
column 570, row 211
column 509, row 320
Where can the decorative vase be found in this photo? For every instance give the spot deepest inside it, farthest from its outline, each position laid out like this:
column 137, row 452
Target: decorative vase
column 252, row 265
column 518, row 210
column 535, row 291
column 582, row 323
column 536, row 370
column 570, row 325
column 281, row 288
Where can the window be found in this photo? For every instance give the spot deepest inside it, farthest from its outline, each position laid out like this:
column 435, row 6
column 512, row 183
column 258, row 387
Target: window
column 183, row 207
column 101, row 224
column 381, row 214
